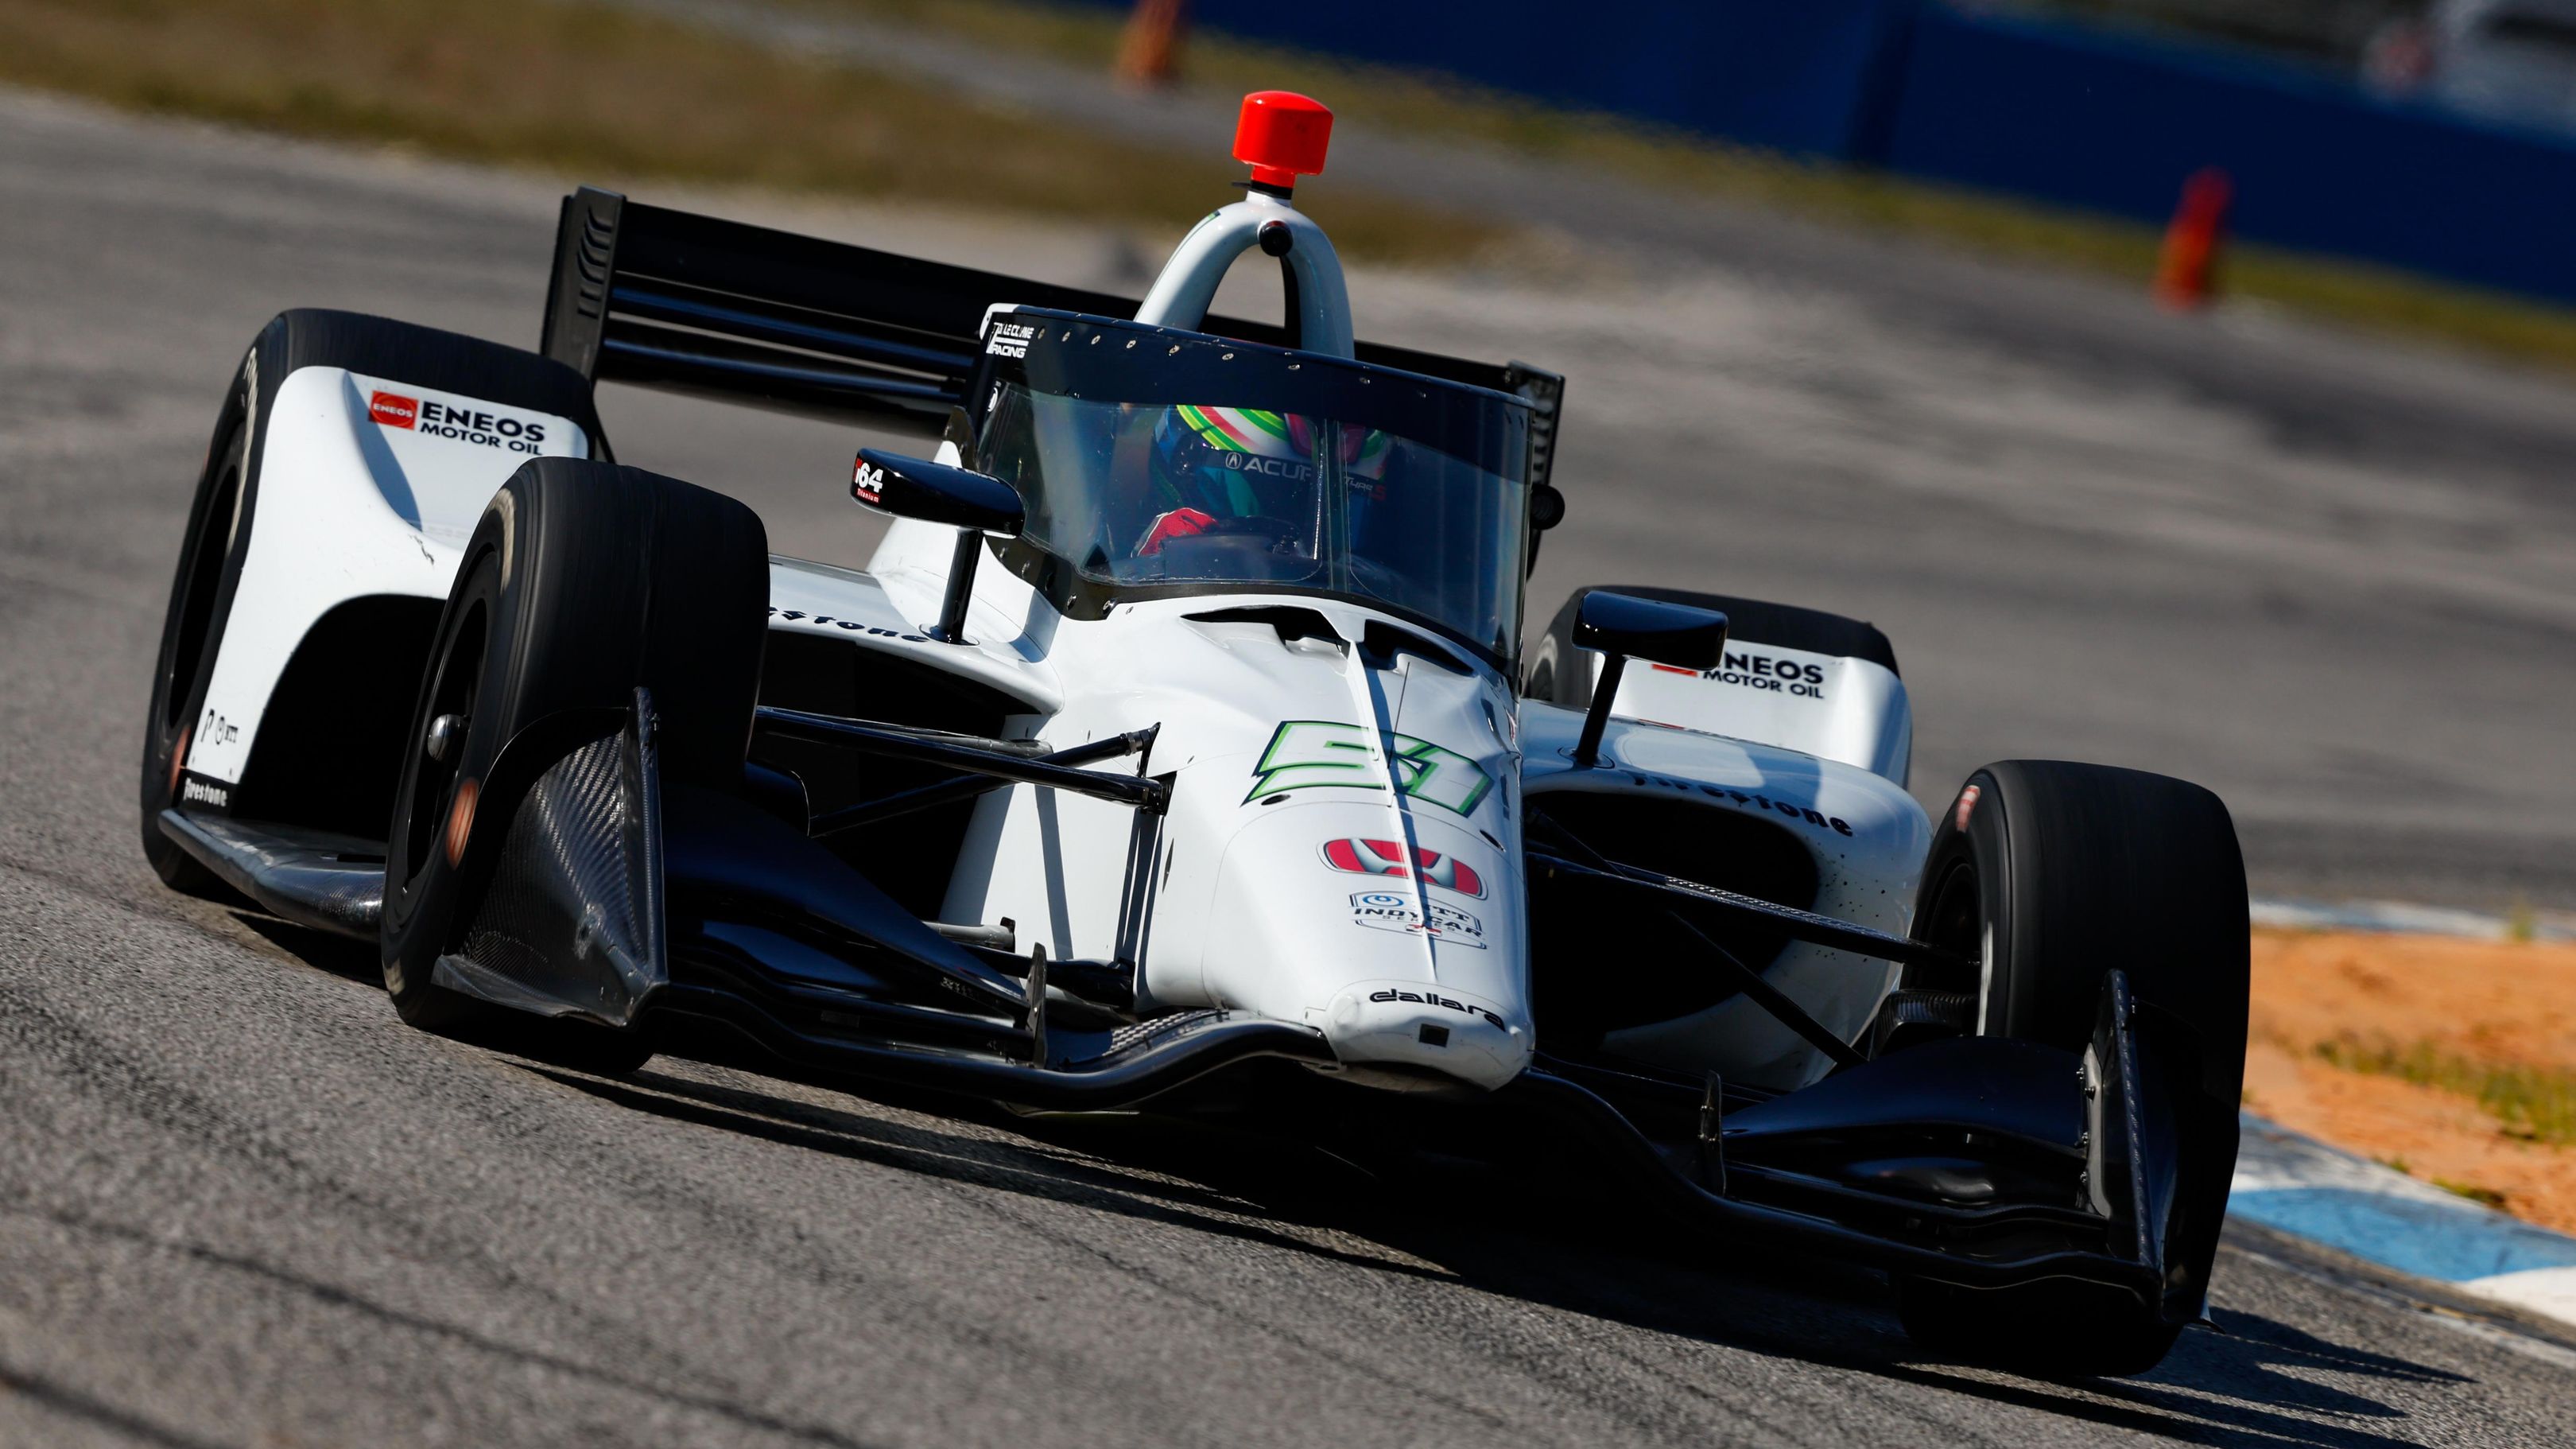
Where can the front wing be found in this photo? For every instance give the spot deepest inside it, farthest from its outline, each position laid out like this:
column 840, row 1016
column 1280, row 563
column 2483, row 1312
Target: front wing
column 1977, row 1161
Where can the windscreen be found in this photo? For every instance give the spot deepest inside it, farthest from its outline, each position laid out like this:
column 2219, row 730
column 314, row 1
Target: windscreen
column 1155, row 461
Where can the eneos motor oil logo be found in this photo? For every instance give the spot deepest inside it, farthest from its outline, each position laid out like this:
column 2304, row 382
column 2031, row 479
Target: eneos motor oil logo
column 393, row 409
column 434, row 418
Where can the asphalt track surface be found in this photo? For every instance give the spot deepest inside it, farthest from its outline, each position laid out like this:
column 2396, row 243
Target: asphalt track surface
column 240, row 1204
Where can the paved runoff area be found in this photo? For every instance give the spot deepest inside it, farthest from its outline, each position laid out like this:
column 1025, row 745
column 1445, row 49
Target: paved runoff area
column 240, row 1204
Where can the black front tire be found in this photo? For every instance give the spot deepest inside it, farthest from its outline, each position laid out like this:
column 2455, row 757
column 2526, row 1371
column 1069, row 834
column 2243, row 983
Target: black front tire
column 191, row 631
column 2051, row 874
column 582, row 582
column 2055, row 1328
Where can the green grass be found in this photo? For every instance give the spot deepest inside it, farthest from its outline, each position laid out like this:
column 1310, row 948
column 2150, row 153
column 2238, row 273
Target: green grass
column 588, row 90
column 2483, row 1196
column 2534, row 1103
column 2377, row 298
column 2521, row 926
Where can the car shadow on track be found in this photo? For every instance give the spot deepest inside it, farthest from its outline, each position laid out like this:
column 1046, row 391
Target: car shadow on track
column 2253, row 1381
column 2240, row 1385
column 356, row 961
column 2256, row 1381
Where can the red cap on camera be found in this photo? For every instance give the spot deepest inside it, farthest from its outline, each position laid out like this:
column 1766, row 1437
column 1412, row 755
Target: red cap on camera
column 1282, row 135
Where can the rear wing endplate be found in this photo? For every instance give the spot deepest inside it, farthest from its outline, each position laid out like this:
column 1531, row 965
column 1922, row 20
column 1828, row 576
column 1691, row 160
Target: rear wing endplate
column 671, row 299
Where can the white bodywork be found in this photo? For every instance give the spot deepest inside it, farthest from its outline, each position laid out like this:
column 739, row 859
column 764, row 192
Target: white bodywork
column 1867, row 836
column 1305, row 774
column 1270, row 742
column 365, row 488
column 1852, row 711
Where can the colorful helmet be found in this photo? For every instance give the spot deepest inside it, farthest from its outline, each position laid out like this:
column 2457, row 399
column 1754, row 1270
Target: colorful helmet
column 1228, row 461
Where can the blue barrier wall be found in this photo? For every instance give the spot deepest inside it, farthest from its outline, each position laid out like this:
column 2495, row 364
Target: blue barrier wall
column 2106, row 121
column 2115, row 124
column 1793, row 75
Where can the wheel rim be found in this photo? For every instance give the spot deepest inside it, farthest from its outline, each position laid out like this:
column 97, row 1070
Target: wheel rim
column 1955, row 921
column 458, row 682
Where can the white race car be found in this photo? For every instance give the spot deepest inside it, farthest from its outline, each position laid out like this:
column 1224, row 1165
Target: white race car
column 1177, row 735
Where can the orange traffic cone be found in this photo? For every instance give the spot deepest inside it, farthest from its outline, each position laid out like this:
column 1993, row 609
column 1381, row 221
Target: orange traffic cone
column 1151, row 41
column 2186, row 270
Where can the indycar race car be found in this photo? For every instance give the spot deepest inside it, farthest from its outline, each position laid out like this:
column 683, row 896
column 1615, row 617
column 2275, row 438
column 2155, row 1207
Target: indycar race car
column 1181, row 735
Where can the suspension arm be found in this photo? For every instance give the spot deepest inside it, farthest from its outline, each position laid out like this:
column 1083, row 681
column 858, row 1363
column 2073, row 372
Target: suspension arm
column 966, row 756
column 1803, row 925
column 967, row 787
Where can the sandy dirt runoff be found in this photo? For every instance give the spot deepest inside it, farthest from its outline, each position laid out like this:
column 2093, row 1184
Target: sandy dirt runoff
column 2483, row 1002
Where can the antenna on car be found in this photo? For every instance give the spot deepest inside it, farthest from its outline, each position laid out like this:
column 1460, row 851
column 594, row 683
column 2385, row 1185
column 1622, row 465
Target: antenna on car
column 1281, row 135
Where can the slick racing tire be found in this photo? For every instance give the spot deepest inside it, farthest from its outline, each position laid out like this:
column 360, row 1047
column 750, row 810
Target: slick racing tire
column 217, row 541
column 2050, row 874
column 582, row 582
column 1559, row 674
column 191, row 629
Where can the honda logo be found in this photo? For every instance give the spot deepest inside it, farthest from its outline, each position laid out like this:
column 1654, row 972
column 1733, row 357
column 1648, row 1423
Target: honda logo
column 1387, row 857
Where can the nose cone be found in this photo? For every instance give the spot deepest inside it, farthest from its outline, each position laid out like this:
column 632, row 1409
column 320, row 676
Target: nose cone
column 1407, row 953
column 1438, row 1031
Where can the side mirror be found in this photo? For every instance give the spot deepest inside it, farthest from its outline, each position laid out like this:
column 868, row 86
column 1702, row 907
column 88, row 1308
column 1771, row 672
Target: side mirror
column 1621, row 625
column 936, row 493
column 975, row 504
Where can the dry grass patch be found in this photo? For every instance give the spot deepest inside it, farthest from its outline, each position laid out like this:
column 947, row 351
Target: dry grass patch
column 2456, row 1059
column 608, row 93
column 2537, row 1104
column 600, row 92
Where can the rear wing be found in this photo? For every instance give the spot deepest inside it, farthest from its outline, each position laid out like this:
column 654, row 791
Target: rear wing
column 671, row 299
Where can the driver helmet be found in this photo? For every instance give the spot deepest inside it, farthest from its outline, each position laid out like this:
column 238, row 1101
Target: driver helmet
column 1233, row 462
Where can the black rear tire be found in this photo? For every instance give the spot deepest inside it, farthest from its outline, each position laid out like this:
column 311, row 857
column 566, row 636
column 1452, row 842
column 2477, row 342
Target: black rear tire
column 582, row 582
column 2051, row 874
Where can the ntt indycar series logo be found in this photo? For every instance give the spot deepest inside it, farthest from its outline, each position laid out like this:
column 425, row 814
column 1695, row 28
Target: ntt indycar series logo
column 1395, row 911
column 465, row 425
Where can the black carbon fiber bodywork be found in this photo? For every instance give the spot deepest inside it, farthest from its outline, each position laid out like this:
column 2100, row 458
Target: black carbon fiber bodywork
column 571, row 921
